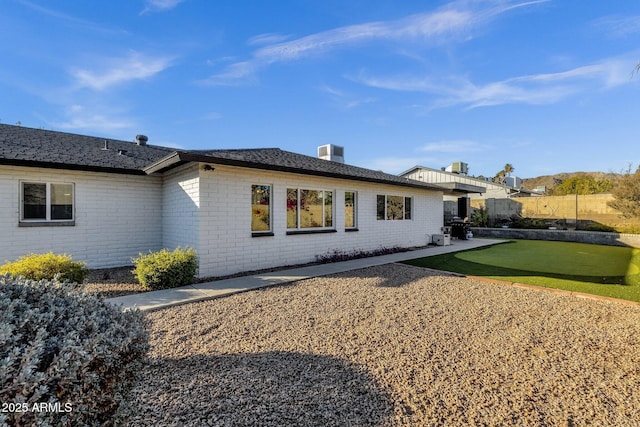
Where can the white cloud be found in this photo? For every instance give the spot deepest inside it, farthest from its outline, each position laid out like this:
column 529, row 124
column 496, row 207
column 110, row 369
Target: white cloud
column 619, row 26
column 534, row 89
column 453, row 146
column 451, row 22
column 71, row 20
column 395, row 165
column 160, row 5
column 346, row 101
column 116, row 71
column 79, row 117
column 268, row 38
column 233, row 75
column 212, row 116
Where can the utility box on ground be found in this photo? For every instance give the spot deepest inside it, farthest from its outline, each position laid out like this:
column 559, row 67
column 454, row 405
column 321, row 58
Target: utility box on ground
column 441, row 239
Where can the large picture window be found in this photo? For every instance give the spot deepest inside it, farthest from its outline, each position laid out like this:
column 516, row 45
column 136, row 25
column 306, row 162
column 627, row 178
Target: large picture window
column 260, row 208
column 46, row 202
column 390, row 207
column 309, row 208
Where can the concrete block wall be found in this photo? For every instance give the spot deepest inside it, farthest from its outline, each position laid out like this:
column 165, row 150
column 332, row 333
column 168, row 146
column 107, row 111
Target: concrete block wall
column 181, row 207
column 226, row 245
column 116, row 217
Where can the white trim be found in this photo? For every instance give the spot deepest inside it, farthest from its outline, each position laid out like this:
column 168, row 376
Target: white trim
column 47, row 218
column 270, row 230
column 333, row 210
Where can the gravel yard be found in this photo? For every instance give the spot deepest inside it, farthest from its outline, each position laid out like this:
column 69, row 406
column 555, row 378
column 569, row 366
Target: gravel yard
column 392, row 345
column 112, row 282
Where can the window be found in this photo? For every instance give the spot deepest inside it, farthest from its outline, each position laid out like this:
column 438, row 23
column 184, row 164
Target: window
column 309, row 208
column 46, row 202
column 261, row 208
column 393, row 207
column 350, row 209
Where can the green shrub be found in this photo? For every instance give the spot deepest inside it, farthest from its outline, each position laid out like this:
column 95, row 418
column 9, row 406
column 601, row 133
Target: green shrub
column 68, row 350
column 480, row 217
column 46, row 267
column 594, row 226
column 164, row 269
column 528, row 223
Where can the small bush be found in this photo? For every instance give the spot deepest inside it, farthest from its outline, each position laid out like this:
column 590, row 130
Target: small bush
column 70, row 351
column 46, row 267
column 164, row 269
column 594, row 226
column 338, row 255
column 480, row 217
column 529, row 223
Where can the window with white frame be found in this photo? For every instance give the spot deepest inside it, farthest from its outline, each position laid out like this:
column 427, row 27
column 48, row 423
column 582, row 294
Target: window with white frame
column 261, row 208
column 391, row 207
column 309, row 208
column 350, row 209
column 46, row 202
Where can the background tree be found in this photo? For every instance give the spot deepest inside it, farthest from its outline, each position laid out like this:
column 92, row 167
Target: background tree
column 508, row 168
column 500, row 176
column 626, row 194
column 582, row 184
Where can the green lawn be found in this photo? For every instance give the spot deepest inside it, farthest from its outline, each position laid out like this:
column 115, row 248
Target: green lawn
column 595, row 269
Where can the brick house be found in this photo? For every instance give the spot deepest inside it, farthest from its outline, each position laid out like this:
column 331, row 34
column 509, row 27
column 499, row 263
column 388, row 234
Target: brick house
column 104, row 201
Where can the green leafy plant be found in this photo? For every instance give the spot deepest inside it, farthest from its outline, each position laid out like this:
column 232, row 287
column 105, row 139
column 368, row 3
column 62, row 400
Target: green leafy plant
column 166, row 269
column 46, row 267
column 480, row 217
column 525, row 222
column 627, row 195
column 68, row 350
column 594, row 226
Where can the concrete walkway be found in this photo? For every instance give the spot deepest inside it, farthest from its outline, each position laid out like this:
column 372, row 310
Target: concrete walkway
column 155, row 300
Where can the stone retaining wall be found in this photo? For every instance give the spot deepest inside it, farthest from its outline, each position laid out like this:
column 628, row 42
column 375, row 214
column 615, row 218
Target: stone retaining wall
column 599, row 238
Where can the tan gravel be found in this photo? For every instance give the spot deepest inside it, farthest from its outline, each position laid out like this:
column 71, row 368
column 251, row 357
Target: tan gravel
column 392, row 345
column 112, row 282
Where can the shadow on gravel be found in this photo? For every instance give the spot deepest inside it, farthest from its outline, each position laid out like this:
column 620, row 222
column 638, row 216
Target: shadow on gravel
column 266, row 389
column 400, row 275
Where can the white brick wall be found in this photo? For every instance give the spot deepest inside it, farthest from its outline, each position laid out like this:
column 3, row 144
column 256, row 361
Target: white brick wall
column 116, row 217
column 180, row 207
column 226, row 246
column 119, row 216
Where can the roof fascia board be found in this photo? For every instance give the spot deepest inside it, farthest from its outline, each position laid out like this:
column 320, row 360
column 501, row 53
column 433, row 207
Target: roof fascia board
column 66, row 166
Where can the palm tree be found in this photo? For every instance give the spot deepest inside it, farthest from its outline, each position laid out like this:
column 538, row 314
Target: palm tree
column 508, row 168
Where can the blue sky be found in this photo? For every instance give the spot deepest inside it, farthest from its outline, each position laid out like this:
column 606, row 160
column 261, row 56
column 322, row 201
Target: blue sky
column 547, row 86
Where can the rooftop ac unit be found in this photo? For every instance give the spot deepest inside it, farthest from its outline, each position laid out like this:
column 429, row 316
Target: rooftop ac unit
column 331, row 152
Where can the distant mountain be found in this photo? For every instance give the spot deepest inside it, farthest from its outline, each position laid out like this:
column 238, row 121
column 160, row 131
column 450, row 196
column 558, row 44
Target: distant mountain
column 550, row 181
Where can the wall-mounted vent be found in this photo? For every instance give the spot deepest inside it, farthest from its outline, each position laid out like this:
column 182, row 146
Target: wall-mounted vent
column 141, row 139
column 331, row 152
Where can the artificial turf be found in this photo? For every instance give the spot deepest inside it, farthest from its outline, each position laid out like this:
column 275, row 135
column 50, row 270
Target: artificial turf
column 610, row 271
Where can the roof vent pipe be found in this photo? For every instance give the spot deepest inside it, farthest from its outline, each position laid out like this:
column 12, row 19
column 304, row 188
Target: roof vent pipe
column 141, row 139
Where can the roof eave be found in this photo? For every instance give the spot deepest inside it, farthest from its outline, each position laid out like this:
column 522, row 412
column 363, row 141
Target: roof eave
column 68, row 166
column 179, row 157
column 457, row 188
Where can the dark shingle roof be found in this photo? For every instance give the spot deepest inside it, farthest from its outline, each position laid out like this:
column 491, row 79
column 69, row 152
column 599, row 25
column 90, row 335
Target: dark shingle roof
column 37, row 147
column 287, row 161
